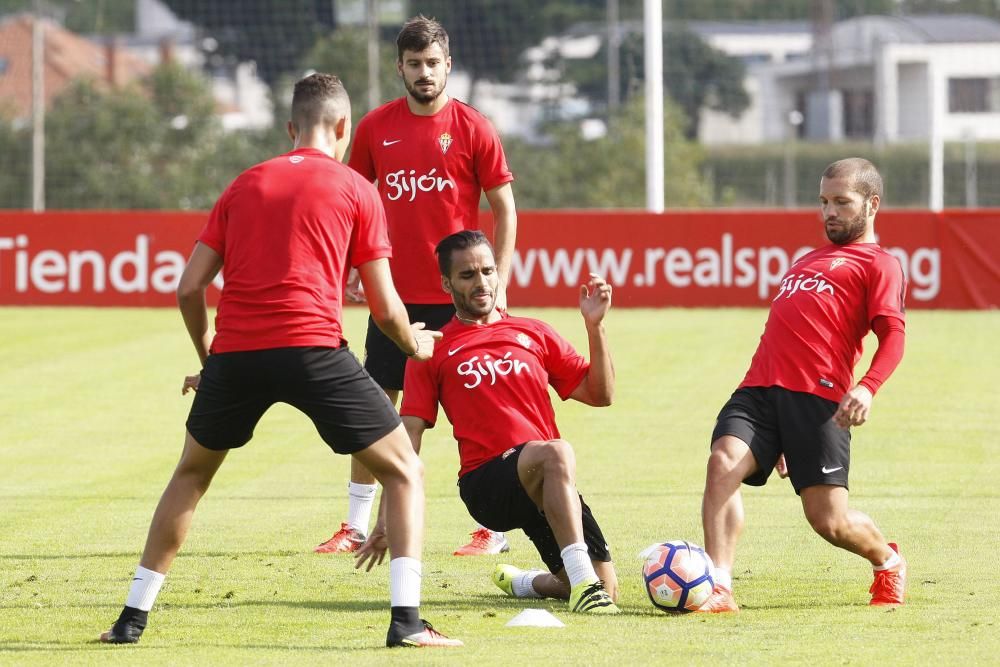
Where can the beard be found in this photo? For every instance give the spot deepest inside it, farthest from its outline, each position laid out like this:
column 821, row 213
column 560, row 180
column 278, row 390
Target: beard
column 472, row 308
column 851, row 230
column 424, row 97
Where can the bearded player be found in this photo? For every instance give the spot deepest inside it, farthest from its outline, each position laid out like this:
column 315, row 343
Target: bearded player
column 491, row 375
column 797, row 403
column 432, row 157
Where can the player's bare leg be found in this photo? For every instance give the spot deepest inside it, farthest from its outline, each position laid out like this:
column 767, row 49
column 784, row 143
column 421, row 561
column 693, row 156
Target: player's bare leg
column 547, row 471
column 401, row 472
column 548, row 585
column 167, row 530
column 826, row 509
column 722, row 513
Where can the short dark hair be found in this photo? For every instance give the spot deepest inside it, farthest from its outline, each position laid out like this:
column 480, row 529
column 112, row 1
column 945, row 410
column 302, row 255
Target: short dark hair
column 319, row 98
column 862, row 175
column 418, row 34
column 463, row 240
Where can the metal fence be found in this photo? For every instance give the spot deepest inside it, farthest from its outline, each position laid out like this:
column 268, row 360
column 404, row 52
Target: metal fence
column 158, row 104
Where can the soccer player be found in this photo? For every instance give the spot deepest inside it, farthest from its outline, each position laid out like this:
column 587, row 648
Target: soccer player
column 797, row 403
column 491, row 374
column 286, row 231
column 432, row 157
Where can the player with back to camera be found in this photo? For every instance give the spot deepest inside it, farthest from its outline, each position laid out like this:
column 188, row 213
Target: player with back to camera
column 797, row 403
column 433, row 157
column 286, row 231
column 491, row 373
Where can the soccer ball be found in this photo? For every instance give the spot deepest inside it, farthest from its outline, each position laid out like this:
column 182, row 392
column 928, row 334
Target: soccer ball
column 677, row 575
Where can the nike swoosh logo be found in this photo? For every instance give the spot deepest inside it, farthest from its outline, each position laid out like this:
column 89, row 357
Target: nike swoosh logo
column 390, row 143
column 451, row 352
column 827, row 471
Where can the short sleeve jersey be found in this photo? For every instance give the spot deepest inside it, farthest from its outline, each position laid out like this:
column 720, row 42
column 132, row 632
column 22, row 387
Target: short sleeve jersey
column 431, row 172
column 286, row 230
column 824, row 308
column 492, row 381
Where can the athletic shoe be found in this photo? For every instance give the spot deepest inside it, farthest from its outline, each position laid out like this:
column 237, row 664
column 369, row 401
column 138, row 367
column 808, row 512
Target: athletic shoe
column 889, row 586
column 127, row 629
column 484, row 543
column 344, row 541
column 591, row 598
column 720, row 602
column 503, row 577
column 428, row 637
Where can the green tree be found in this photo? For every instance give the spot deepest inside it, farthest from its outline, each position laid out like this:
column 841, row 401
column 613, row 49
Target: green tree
column 15, row 163
column 157, row 146
column 344, row 53
column 91, row 17
column 275, row 34
column 570, row 171
column 696, row 75
column 487, row 37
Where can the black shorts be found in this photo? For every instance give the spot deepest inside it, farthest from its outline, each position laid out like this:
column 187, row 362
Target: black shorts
column 774, row 421
column 495, row 498
column 327, row 384
column 384, row 361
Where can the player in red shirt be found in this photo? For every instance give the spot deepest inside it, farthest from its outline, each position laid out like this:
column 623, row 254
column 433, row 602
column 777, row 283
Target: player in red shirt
column 286, row 231
column 796, row 404
column 491, row 374
column 432, row 157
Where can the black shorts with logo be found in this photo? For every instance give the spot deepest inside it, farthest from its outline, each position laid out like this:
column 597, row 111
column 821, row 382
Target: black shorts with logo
column 384, row 361
column 774, row 421
column 328, row 384
column 495, row 498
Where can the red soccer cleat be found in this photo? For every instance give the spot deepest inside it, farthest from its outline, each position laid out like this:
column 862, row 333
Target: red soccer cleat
column 484, row 543
column 344, row 541
column 889, row 586
column 426, row 638
column 720, row 602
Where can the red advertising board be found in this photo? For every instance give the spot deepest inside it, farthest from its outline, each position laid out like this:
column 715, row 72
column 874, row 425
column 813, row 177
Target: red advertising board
column 698, row 258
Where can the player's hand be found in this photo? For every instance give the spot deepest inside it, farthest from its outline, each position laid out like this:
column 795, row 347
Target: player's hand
column 595, row 299
column 425, row 341
column 854, row 407
column 353, row 290
column 191, row 382
column 781, row 467
column 373, row 550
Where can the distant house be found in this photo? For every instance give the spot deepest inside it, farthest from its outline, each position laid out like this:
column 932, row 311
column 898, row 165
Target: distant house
column 883, row 78
column 894, row 79
column 68, row 57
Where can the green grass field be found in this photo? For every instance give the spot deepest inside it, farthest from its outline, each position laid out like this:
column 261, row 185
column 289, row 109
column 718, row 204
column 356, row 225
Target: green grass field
column 91, row 423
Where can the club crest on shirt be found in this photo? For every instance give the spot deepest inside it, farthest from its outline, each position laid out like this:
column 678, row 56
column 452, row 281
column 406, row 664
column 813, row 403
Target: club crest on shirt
column 295, row 159
column 524, row 340
column 837, row 262
column 444, row 141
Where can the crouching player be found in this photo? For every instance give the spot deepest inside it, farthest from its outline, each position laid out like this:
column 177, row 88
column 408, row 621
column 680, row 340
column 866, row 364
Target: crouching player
column 491, row 372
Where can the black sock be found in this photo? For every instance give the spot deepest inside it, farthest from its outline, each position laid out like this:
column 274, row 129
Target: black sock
column 134, row 617
column 407, row 619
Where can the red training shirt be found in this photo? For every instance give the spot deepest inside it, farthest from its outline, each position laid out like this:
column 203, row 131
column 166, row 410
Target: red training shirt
column 431, row 172
column 492, row 381
column 824, row 308
column 285, row 230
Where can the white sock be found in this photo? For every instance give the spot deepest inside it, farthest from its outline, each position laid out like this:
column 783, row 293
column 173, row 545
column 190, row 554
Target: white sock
column 404, row 582
column 521, row 585
column 893, row 561
column 722, row 577
column 360, row 498
column 144, row 589
column 579, row 568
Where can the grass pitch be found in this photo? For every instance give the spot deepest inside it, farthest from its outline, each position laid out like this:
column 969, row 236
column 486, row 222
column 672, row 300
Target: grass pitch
column 91, row 423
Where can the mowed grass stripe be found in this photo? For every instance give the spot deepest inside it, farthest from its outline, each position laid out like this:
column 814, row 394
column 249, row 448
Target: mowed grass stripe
column 91, row 422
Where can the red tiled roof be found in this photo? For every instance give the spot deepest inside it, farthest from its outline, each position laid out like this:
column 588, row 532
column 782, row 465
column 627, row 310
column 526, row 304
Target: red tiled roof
column 68, row 57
